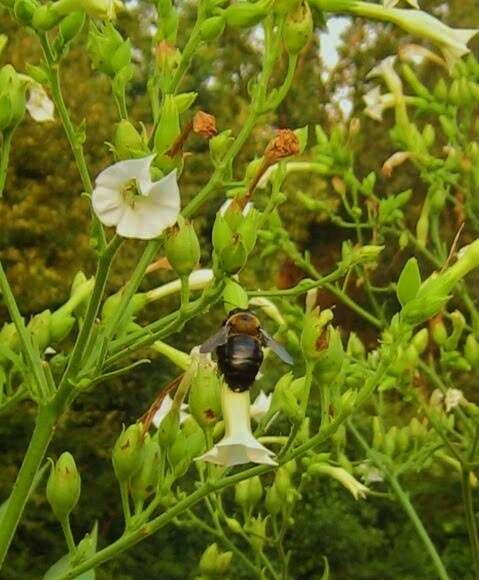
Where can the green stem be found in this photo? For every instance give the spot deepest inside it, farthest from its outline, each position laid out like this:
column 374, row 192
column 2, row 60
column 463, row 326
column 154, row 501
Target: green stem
column 125, row 502
column 4, row 157
column 67, row 531
column 405, row 503
column 470, row 518
column 24, row 483
column 32, row 357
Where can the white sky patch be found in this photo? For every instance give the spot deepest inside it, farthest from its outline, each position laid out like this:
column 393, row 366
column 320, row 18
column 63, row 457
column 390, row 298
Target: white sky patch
column 331, row 40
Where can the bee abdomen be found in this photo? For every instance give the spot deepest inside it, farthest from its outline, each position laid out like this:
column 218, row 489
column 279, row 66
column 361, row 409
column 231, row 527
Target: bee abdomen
column 239, row 361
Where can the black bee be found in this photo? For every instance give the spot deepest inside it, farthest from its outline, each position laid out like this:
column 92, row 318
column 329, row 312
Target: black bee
column 239, row 349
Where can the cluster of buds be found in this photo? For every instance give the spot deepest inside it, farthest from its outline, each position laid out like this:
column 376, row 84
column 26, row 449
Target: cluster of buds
column 214, row 563
column 109, row 52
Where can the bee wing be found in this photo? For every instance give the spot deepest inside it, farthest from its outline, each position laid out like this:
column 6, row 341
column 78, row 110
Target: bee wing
column 277, row 348
column 216, row 340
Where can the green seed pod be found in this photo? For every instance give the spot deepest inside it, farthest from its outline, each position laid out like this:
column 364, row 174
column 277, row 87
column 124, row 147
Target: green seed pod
column 179, row 454
column 246, row 14
column 284, row 7
column 440, row 90
column 128, row 142
column 108, row 50
column 212, row 28
column 390, row 441
column 63, row 486
column 355, row 347
column 184, row 101
column 403, row 440
column 144, row 481
column 256, row 527
column 285, row 401
column 248, row 493
column 409, row 282
column 298, row 29
column 71, row 26
column 12, row 98
column 39, row 327
column 234, row 525
column 223, row 563
column 471, row 351
column 219, row 145
column 183, row 247
column 128, row 452
column 313, row 335
column 205, row 396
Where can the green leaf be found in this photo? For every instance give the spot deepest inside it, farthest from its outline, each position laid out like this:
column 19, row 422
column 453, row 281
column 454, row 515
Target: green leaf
column 85, row 549
column 409, row 282
column 325, row 575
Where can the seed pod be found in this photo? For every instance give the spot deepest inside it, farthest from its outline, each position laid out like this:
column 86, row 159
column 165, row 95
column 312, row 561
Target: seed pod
column 273, row 501
column 45, row 18
column 128, row 142
column 144, row 481
column 212, row 28
column 71, row 25
column 205, row 395
column 246, row 14
column 471, row 351
column 378, row 433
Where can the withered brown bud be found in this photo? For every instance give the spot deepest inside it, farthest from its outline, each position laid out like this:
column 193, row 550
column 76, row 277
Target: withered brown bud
column 164, row 53
column 204, row 124
column 285, row 144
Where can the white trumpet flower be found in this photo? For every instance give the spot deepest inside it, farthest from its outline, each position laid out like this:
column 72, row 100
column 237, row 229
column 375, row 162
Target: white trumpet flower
column 197, row 280
column 127, row 198
column 261, row 406
column 238, row 446
column 165, row 408
column 376, row 103
column 355, row 487
column 39, row 104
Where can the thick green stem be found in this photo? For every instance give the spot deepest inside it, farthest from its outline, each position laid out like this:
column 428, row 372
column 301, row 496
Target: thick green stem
column 41, row 437
column 67, row 531
column 4, row 157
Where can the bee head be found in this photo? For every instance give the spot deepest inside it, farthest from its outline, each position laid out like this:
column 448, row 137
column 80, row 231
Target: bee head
column 243, row 322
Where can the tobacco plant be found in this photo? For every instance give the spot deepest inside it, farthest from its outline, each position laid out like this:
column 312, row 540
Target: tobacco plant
column 187, row 461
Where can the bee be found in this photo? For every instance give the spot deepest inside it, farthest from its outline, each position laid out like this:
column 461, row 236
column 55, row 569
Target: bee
column 239, row 349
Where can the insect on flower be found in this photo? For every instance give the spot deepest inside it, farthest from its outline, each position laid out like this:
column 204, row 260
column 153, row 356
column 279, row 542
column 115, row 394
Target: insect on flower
column 239, row 349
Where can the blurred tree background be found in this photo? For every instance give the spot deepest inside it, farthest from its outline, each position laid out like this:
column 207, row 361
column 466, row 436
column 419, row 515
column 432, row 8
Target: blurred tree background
column 44, row 241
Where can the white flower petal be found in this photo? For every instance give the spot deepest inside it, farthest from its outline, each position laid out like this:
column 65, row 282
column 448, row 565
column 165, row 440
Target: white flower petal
column 119, row 174
column 166, row 193
column 261, row 406
column 145, row 220
column 39, row 104
column 165, row 408
column 247, row 208
column 108, row 205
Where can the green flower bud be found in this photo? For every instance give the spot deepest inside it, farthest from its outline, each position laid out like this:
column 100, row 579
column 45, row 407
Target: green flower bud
column 471, row 351
column 355, row 347
column 102, row 9
column 45, row 18
column 420, row 340
column 256, row 528
column 330, row 359
column 234, row 525
column 403, row 440
column 128, row 142
column 223, row 562
column 440, row 90
column 298, row 29
column 144, row 481
column 286, row 400
column 284, row 7
column 12, row 98
column 234, row 296
column 61, row 324
column 71, row 26
column 205, row 395
column 183, row 247
column 63, row 486
column 39, row 327
column 219, row 145
column 128, row 452
column 409, row 282
column 212, row 28
column 233, row 258
column 438, row 330
column 24, row 11
column 168, row 429
column 208, row 560
column 390, row 441
column 378, row 433
column 248, row 493
column 313, row 335
column 107, row 49
column 282, row 483
column 247, row 14
column 179, row 454
column 168, row 126
column 9, row 338
column 273, row 502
